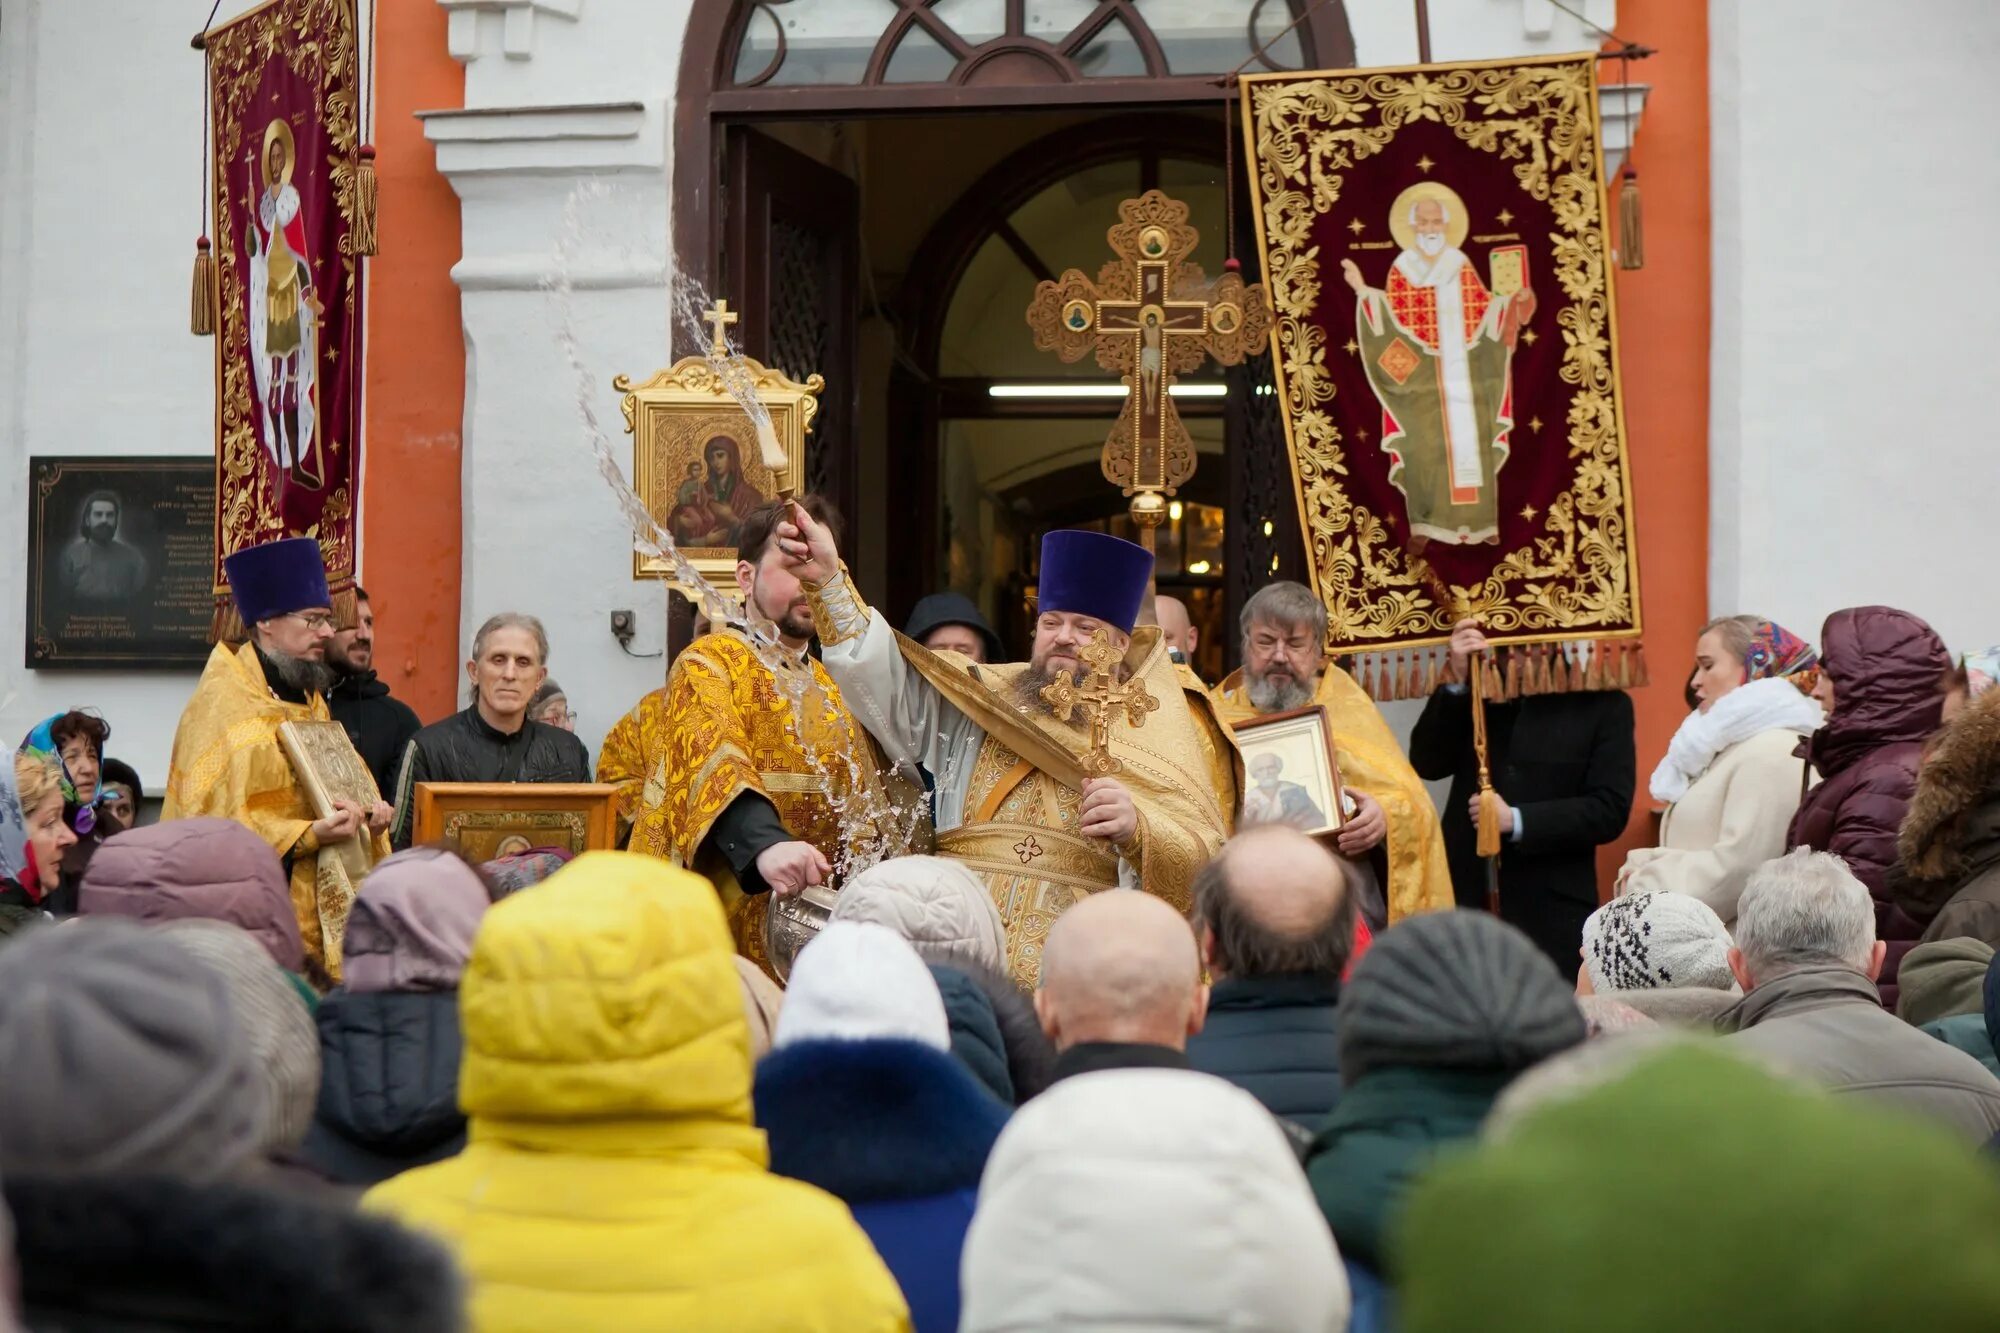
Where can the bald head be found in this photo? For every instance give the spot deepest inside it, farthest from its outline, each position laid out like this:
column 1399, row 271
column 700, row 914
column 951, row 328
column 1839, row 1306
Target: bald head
column 1175, row 628
column 1275, row 902
column 1121, row 966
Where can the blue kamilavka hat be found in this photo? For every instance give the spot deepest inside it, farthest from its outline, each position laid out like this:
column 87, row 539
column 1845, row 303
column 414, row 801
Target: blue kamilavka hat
column 1094, row 574
column 277, row 578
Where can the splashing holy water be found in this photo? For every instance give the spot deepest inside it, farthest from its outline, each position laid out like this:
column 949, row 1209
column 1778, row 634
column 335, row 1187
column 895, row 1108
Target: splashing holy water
column 871, row 827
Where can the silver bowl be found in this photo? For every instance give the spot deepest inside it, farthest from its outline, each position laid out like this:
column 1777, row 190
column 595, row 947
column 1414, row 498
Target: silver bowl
column 791, row 923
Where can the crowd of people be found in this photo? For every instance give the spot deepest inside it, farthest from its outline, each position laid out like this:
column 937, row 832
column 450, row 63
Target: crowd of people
column 1076, row 1046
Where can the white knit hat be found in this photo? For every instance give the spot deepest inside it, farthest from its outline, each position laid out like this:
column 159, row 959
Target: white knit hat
column 1650, row 941
column 1148, row 1199
column 858, row 981
column 936, row 904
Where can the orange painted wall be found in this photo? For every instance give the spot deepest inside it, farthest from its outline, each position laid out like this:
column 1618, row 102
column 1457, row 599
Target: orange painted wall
column 1663, row 324
column 415, row 404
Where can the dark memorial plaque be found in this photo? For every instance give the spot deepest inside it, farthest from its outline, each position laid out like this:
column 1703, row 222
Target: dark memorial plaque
column 120, row 559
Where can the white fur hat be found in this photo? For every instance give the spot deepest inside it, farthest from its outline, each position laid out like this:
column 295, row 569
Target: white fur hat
column 858, row 981
column 938, row 905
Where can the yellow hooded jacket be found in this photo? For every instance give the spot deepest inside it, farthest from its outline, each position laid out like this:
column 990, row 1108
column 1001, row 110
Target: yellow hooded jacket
column 613, row 1179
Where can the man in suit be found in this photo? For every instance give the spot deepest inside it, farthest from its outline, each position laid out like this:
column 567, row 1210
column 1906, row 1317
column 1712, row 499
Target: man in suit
column 1563, row 765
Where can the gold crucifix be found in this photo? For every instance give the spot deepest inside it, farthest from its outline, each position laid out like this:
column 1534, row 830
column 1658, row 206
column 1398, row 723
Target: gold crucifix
column 1102, row 696
column 719, row 317
column 1150, row 316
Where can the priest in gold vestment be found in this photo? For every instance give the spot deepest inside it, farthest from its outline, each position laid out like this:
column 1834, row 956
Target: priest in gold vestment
column 227, row 761
column 1012, row 800
column 748, row 767
column 1285, row 666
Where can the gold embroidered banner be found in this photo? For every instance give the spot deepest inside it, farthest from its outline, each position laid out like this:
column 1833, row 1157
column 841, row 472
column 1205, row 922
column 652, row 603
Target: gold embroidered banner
column 283, row 80
column 1434, row 240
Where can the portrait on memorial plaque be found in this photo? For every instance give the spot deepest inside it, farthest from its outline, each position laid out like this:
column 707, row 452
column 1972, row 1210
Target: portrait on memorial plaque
column 483, row 821
column 697, row 462
column 1293, row 777
column 118, row 555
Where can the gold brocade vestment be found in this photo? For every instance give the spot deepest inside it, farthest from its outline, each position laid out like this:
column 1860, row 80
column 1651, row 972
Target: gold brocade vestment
column 1371, row 761
column 1022, row 827
column 724, row 726
column 227, row 763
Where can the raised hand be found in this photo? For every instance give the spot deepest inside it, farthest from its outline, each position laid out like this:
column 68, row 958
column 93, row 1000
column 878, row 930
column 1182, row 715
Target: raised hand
column 807, row 545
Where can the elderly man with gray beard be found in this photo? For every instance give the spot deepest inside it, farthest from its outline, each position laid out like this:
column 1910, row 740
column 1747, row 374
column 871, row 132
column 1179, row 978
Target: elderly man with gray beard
column 1394, row 825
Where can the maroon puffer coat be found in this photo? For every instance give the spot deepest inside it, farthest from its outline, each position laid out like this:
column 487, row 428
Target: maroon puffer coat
column 1885, row 666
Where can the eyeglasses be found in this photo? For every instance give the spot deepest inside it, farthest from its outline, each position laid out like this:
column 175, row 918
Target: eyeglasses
column 315, row 622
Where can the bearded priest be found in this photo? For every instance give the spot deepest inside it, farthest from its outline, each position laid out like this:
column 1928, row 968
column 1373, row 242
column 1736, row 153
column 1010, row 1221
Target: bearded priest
column 1395, row 826
column 227, row 761
column 1012, row 799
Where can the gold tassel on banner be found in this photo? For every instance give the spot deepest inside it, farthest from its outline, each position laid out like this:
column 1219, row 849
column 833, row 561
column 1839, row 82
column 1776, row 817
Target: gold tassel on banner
column 1403, row 675
column 1631, row 223
column 201, row 317
column 1487, row 827
column 364, row 202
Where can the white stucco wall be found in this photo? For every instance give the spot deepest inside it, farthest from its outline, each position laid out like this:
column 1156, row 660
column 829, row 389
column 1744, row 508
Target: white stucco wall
column 100, row 173
column 1851, row 459
column 563, row 103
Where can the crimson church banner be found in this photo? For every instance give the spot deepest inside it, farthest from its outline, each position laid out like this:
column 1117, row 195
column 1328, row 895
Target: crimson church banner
column 282, row 104
column 1435, row 244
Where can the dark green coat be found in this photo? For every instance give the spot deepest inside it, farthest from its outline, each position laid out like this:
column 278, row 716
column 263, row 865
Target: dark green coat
column 1388, row 1126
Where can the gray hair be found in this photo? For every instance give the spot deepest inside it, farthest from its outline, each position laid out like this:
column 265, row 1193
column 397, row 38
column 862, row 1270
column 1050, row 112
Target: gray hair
column 1284, row 603
column 511, row 620
column 1805, row 909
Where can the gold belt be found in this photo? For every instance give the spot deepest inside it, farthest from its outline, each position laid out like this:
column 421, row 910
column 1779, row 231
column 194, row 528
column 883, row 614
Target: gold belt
column 1032, row 852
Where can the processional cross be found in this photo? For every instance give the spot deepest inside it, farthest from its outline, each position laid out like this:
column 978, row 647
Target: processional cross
column 1102, row 696
column 1150, row 316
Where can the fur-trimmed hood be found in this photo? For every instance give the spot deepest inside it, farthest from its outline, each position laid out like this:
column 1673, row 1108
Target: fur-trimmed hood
column 1953, row 825
column 159, row 1253
column 875, row 1119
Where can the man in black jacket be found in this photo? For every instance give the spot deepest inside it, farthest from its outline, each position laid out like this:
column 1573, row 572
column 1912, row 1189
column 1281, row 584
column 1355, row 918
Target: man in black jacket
column 379, row 724
column 1563, row 766
column 493, row 740
column 1275, row 916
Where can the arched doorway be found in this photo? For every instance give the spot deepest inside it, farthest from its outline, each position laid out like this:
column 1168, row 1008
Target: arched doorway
column 850, row 174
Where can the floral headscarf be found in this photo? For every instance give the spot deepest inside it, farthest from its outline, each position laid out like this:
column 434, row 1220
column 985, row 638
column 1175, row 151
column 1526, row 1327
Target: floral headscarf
column 1776, row 651
column 1982, row 669
column 41, row 743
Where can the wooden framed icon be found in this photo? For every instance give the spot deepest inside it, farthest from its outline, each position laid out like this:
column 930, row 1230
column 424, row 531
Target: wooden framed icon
column 484, row 821
column 1291, row 774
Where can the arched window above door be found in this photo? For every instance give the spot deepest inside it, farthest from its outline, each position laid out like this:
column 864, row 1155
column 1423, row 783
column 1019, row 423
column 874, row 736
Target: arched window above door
column 984, row 43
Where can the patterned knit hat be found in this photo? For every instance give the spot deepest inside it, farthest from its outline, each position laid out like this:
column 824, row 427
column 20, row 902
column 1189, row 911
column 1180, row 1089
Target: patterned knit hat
column 1648, row 941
